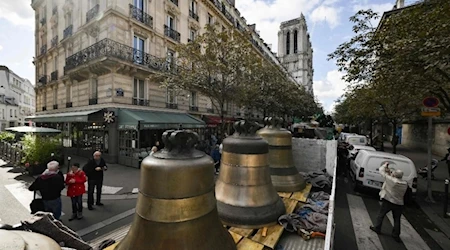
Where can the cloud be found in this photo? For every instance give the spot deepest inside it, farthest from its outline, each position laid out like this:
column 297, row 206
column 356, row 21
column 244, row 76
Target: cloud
column 1, row 47
column 17, row 12
column 326, row 13
column 330, row 89
column 378, row 8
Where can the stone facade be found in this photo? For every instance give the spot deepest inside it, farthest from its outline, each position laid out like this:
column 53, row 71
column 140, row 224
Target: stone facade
column 415, row 135
column 295, row 51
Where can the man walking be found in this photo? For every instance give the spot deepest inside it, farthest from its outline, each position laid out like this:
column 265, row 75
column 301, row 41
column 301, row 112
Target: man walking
column 94, row 171
column 50, row 184
column 392, row 194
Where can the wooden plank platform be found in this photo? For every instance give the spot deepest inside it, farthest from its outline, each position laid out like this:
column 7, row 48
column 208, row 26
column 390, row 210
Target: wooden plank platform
column 264, row 238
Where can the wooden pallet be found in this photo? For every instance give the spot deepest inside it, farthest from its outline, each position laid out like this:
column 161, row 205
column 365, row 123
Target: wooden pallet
column 264, row 238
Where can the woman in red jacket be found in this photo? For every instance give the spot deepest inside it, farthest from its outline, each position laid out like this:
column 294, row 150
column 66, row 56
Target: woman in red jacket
column 75, row 189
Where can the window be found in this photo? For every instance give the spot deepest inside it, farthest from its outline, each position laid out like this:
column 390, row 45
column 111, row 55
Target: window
column 139, row 50
column 193, row 7
column 192, row 34
column 55, row 63
column 295, row 41
column 45, row 69
column 15, row 113
column 171, row 22
column 55, row 96
column 68, row 93
column 193, row 99
column 3, row 114
column 68, row 19
column 139, row 90
column 170, row 59
column 288, row 42
column 45, row 99
column 139, row 4
column 210, row 19
column 171, row 96
column 10, row 112
column 94, row 88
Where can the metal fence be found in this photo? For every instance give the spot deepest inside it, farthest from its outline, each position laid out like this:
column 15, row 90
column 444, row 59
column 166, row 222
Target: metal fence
column 11, row 153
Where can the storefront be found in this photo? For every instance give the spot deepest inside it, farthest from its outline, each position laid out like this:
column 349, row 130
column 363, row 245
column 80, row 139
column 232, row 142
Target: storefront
column 213, row 124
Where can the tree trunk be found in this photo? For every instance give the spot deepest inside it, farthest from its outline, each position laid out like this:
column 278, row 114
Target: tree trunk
column 371, row 133
column 394, row 140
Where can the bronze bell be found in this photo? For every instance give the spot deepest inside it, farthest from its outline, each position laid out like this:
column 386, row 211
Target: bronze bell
column 285, row 177
column 176, row 207
column 245, row 195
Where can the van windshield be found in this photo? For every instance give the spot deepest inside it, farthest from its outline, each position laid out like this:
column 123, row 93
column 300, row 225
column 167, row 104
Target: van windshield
column 357, row 140
column 377, row 162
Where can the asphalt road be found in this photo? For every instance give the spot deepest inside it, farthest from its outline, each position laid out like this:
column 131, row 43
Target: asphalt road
column 356, row 211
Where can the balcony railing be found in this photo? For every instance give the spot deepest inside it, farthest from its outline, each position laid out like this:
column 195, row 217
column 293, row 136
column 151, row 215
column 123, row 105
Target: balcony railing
column 193, row 108
column 141, row 16
column 43, row 79
column 174, row 2
column 93, row 101
column 92, row 13
column 55, row 10
column 55, row 106
column 222, row 9
column 54, row 75
column 43, row 20
column 68, row 104
column 113, row 49
column 68, row 31
column 43, row 49
column 44, row 108
column 171, row 33
column 171, row 105
column 141, row 102
column 210, row 111
column 193, row 15
column 54, row 41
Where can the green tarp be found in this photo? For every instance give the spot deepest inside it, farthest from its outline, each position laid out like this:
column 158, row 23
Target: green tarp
column 129, row 119
column 79, row 116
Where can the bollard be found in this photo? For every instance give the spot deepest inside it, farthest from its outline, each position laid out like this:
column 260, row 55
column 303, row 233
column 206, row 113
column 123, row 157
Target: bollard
column 446, row 215
column 68, row 163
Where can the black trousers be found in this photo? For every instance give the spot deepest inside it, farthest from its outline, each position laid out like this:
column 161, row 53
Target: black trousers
column 94, row 184
column 396, row 213
column 77, row 204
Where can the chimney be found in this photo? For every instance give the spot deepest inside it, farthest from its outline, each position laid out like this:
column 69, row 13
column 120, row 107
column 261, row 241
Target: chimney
column 400, row 4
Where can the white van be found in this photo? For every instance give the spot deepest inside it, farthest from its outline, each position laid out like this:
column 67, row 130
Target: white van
column 356, row 140
column 343, row 135
column 354, row 149
column 364, row 169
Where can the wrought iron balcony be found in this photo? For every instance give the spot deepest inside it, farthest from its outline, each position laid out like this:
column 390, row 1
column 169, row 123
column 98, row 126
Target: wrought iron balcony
column 174, row 2
column 171, row 105
column 92, row 13
column 141, row 102
column 55, row 106
column 67, row 31
column 43, row 49
column 43, row 20
column 68, row 104
column 55, row 10
column 171, row 33
column 193, row 108
column 210, row 111
column 93, row 101
column 141, row 16
column 43, row 79
column 54, row 75
column 54, row 41
column 193, row 15
column 113, row 49
column 44, row 108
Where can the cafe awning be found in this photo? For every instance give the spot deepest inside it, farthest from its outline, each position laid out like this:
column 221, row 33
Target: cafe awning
column 79, row 116
column 27, row 129
column 215, row 120
column 132, row 119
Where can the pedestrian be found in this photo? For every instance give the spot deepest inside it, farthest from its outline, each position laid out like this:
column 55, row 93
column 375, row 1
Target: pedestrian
column 94, row 171
column 392, row 195
column 75, row 189
column 447, row 160
column 216, row 156
column 50, row 184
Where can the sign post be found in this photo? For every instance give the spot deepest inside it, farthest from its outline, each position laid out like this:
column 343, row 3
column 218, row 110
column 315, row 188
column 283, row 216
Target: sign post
column 430, row 110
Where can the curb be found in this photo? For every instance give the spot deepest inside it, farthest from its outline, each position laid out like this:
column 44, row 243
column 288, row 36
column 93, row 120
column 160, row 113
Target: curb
column 434, row 217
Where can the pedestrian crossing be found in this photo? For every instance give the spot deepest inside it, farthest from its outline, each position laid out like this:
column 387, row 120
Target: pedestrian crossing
column 366, row 239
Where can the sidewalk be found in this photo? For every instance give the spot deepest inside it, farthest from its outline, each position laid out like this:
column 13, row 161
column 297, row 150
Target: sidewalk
column 433, row 210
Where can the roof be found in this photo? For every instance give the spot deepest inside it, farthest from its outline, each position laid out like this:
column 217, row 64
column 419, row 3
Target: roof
column 363, row 147
column 391, row 12
column 385, row 155
column 142, row 119
column 79, row 116
column 27, row 129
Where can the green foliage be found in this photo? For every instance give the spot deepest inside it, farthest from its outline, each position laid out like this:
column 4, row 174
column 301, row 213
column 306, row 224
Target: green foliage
column 7, row 137
column 39, row 148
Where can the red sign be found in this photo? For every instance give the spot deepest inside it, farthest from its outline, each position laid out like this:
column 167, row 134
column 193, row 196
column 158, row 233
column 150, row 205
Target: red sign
column 430, row 102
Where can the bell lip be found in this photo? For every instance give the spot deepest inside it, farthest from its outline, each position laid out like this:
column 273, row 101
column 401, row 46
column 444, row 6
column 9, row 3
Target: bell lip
column 249, row 226
column 191, row 154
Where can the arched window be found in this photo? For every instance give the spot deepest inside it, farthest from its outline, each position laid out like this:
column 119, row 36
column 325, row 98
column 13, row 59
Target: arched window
column 288, row 42
column 295, row 41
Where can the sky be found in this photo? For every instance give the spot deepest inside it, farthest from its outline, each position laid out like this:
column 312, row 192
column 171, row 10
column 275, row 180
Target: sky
column 328, row 24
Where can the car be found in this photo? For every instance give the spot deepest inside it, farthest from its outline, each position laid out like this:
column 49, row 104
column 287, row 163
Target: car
column 354, row 149
column 355, row 139
column 343, row 135
column 364, row 170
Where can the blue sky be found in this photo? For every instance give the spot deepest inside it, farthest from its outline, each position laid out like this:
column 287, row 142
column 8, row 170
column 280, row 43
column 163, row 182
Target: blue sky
column 327, row 23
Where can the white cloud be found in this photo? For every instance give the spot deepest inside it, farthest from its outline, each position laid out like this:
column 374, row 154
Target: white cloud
column 378, row 8
column 325, row 13
column 1, row 47
column 17, row 12
column 330, row 89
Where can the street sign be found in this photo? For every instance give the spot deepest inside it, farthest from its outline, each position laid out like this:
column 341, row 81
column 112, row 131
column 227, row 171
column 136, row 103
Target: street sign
column 431, row 112
column 430, row 102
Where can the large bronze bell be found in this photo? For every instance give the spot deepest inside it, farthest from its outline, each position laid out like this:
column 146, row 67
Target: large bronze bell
column 245, row 195
column 285, row 177
column 176, row 207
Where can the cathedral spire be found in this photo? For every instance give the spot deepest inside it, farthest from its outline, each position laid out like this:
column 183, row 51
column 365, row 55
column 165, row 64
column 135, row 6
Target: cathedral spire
column 302, row 16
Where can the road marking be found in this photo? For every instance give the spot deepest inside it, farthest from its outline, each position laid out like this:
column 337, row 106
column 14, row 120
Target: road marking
column 365, row 238
column 105, row 223
column 411, row 239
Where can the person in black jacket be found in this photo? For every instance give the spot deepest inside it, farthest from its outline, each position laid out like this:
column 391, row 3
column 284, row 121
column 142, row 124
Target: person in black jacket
column 447, row 160
column 50, row 184
column 94, row 171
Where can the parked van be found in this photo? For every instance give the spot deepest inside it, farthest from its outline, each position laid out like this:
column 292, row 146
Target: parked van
column 343, row 135
column 356, row 139
column 354, row 149
column 364, row 169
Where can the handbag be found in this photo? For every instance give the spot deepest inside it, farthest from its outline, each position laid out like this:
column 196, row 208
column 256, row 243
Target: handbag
column 37, row 204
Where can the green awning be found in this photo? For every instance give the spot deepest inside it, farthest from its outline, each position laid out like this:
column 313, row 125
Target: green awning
column 80, row 116
column 129, row 119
